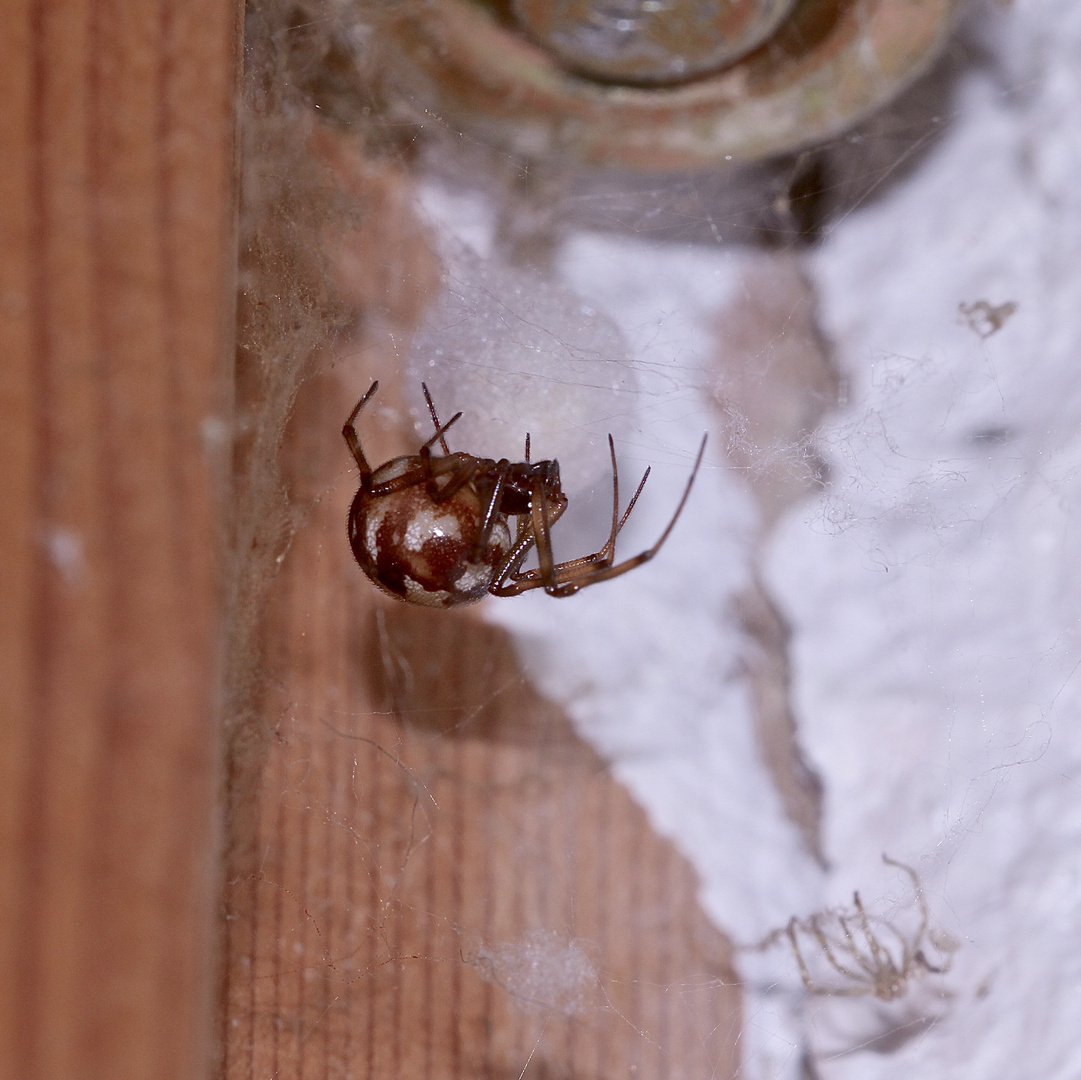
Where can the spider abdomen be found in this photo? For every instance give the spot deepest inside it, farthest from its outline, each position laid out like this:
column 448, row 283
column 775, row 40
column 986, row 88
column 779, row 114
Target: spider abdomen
column 426, row 552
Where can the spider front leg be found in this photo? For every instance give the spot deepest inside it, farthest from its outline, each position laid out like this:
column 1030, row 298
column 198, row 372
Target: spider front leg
column 534, row 579
column 561, row 579
column 606, row 554
column 527, row 531
column 580, row 573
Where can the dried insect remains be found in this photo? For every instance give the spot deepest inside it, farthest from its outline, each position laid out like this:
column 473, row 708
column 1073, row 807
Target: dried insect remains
column 872, row 955
column 434, row 529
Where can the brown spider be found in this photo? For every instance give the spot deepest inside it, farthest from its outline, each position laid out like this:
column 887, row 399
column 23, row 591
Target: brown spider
column 433, row 529
column 871, row 967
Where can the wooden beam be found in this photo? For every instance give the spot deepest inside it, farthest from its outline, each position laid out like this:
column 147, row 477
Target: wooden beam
column 116, row 299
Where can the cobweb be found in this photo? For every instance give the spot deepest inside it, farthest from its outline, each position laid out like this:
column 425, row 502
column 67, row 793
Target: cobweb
column 860, row 640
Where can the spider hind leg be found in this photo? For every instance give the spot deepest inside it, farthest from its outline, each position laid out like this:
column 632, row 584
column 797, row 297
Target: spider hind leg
column 352, row 439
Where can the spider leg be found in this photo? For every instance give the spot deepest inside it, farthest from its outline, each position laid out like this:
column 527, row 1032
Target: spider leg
column 617, row 529
column 915, row 953
column 862, row 990
column 880, row 955
column 604, row 556
column 502, row 468
column 805, row 975
column 920, row 899
column 439, row 433
column 607, row 553
column 609, row 549
column 569, row 577
column 435, row 419
column 827, row 950
column 352, row 440
column 542, row 532
column 906, row 946
column 422, row 472
column 524, row 540
column 412, row 478
column 459, row 480
column 534, row 530
column 920, row 957
column 461, row 468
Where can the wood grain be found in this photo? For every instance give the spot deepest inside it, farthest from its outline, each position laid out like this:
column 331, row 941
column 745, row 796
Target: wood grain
column 116, row 255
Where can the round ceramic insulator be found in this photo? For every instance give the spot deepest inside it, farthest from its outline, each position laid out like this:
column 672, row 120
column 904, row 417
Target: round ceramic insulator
column 827, row 65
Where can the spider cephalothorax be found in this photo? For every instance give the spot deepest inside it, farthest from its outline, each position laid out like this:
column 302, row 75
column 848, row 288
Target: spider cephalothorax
column 434, row 529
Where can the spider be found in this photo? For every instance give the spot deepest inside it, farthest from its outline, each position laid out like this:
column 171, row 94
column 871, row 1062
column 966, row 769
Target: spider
column 433, row 529
column 871, row 967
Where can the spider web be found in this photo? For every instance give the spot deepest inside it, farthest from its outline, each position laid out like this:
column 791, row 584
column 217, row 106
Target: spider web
column 862, row 638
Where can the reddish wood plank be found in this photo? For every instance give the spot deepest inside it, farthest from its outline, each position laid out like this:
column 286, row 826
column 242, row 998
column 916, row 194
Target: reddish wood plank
column 117, row 183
